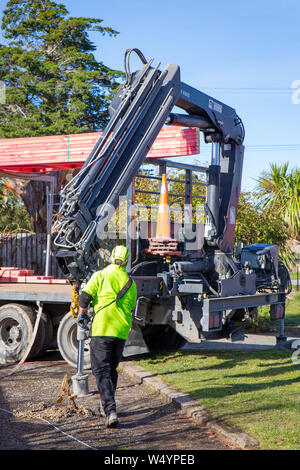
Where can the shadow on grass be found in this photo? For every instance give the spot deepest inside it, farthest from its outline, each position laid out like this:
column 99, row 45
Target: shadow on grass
column 231, row 359
column 234, row 389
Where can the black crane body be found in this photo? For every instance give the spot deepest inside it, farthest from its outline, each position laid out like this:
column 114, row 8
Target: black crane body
column 204, row 288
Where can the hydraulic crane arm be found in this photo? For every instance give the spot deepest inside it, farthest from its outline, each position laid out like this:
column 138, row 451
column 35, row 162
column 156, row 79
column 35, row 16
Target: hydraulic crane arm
column 217, row 121
column 138, row 112
column 223, row 128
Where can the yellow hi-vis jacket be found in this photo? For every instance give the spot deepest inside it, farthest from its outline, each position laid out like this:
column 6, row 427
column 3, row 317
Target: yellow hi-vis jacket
column 116, row 319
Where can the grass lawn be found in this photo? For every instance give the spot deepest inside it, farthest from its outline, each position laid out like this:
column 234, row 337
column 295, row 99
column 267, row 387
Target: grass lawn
column 258, row 391
column 293, row 275
column 293, row 309
column 292, row 314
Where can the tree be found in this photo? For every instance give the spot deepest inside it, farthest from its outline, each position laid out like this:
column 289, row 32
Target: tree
column 54, row 84
column 13, row 215
column 279, row 192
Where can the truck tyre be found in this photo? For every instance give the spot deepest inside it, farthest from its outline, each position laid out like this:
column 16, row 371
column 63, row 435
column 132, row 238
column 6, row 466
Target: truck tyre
column 16, row 331
column 162, row 337
column 67, row 342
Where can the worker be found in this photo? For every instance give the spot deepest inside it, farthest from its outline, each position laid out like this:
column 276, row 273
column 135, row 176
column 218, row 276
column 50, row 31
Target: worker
column 113, row 295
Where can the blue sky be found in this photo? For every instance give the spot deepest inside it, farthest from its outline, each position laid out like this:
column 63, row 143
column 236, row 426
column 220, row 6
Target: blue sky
column 244, row 53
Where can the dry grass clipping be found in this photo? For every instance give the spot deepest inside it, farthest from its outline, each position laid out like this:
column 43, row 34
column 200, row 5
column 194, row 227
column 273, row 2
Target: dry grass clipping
column 55, row 412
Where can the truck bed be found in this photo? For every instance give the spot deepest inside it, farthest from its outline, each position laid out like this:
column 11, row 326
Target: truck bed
column 54, row 293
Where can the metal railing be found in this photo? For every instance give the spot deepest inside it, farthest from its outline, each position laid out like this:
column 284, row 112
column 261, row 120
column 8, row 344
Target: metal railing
column 188, row 195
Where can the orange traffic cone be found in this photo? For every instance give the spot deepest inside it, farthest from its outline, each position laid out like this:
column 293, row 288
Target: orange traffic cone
column 162, row 244
column 163, row 229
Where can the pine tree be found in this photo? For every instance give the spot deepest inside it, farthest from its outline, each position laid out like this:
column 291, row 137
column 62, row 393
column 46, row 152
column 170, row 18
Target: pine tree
column 54, row 84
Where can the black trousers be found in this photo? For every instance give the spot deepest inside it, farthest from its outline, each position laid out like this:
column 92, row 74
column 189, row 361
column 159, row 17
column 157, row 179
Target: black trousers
column 106, row 353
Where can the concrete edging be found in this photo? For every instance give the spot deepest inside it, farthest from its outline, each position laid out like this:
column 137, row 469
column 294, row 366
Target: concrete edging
column 189, row 406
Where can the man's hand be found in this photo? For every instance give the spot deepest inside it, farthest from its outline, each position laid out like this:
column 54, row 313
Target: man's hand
column 82, row 312
column 83, row 320
column 83, row 329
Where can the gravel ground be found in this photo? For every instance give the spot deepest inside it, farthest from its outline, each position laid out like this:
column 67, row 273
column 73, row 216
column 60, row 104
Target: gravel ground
column 146, row 420
column 30, row 418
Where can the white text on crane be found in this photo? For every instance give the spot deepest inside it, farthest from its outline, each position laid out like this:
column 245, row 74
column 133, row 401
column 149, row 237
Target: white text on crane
column 215, row 106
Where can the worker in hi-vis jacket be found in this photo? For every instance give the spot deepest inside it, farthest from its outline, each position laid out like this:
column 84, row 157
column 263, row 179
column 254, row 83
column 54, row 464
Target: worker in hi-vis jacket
column 113, row 295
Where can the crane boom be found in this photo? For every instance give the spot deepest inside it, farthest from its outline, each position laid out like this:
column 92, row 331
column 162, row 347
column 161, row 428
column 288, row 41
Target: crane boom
column 138, row 112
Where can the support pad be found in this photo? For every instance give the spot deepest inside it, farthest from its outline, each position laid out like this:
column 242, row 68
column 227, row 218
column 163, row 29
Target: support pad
column 80, row 385
column 281, row 339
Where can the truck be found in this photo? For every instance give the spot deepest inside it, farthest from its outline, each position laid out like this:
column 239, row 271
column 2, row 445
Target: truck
column 193, row 283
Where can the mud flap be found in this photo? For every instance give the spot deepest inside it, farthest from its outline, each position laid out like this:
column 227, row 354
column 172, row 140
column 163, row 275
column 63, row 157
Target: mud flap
column 135, row 343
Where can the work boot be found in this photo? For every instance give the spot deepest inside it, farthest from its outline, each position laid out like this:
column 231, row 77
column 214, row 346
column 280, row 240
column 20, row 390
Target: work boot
column 112, row 420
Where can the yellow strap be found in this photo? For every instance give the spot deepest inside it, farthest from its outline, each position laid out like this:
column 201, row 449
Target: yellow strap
column 74, row 308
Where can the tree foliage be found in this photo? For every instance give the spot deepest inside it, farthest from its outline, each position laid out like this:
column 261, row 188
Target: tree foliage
column 13, row 215
column 279, row 191
column 54, row 84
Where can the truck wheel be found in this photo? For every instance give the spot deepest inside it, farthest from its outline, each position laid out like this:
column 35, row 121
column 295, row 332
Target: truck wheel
column 162, row 337
column 16, row 331
column 67, row 342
